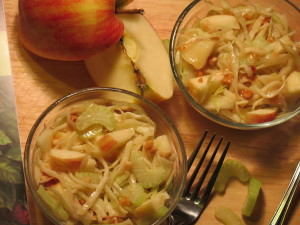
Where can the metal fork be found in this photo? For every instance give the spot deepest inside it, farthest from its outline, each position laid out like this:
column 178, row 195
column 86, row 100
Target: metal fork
column 279, row 216
column 191, row 206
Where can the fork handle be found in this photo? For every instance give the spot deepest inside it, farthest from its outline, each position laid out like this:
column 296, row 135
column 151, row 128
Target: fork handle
column 282, row 209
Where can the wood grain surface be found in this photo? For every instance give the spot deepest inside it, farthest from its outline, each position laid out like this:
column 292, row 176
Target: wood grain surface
column 271, row 155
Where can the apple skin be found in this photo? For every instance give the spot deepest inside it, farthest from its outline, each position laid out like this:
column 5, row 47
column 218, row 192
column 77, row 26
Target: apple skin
column 66, row 160
column 261, row 115
column 68, row 30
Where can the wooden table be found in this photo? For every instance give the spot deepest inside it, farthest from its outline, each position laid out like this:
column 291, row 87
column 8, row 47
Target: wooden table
column 270, row 154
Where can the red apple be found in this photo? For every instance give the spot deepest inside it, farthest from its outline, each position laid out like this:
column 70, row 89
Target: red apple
column 261, row 115
column 68, row 30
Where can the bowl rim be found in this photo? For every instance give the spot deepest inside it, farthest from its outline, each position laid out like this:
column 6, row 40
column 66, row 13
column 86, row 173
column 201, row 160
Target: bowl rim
column 29, row 140
column 204, row 112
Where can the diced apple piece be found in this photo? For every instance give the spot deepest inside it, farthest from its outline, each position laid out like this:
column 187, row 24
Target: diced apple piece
column 149, row 211
column 292, row 88
column 163, row 146
column 217, row 22
column 197, row 53
column 115, row 139
column 112, row 68
column 44, row 141
column 89, row 165
column 62, row 159
column 111, row 142
column 203, row 87
column 261, row 115
column 221, row 101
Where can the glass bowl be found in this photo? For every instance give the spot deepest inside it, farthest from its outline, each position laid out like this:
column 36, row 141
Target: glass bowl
column 106, row 96
column 191, row 14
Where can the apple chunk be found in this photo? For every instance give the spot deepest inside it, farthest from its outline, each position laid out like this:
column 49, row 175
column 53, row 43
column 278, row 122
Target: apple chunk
column 261, row 115
column 110, row 143
column 292, row 89
column 139, row 63
column 217, row 22
column 62, row 159
column 198, row 53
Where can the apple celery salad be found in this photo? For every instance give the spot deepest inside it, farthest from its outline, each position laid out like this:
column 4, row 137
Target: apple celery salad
column 241, row 62
column 104, row 164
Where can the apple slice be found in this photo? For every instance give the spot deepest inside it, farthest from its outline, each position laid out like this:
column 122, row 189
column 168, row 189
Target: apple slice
column 201, row 88
column 217, row 22
column 111, row 142
column 197, row 53
column 292, row 88
column 62, row 159
column 162, row 144
column 139, row 63
column 226, row 100
column 261, row 115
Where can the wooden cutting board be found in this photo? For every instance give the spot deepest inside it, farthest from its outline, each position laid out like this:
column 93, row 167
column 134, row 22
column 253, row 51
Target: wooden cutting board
column 271, row 155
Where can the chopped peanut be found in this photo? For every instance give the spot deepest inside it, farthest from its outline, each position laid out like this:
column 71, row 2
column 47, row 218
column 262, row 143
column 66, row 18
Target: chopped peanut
column 74, row 117
column 199, row 73
column 266, row 20
column 127, row 165
column 200, row 80
column 246, row 94
column 227, row 79
column 271, row 39
column 124, row 201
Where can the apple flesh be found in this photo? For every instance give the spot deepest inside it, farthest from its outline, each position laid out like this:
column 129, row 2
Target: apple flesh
column 292, row 88
column 66, row 160
column 68, row 30
column 201, row 88
column 261, row 115
column 197, row 53
column 163, row 146
column 110, row 143
column 151, row 75
column 217, row 22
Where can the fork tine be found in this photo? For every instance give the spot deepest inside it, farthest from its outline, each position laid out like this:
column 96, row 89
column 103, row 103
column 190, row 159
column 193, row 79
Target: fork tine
column 194, row 174
column 205, row 196
column 196, row 150
column 204, row 174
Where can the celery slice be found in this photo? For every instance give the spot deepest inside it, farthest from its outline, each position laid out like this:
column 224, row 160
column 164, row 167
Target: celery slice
column 96, row 114
column 231, row 169
column 91, row 132
column 136, row 193
column 91, row 177
column 53, row 204
column 146, row 173
column 253, row 192
column 227, row 216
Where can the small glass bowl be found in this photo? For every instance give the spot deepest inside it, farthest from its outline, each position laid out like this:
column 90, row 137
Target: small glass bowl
column 199, row 9
column 164, row 125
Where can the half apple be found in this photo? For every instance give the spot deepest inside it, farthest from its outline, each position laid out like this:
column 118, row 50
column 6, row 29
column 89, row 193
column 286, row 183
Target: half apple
column 138, row 63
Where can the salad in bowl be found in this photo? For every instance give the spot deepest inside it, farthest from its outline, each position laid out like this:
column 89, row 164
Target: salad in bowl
column 237, row 60
column 102, row 161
